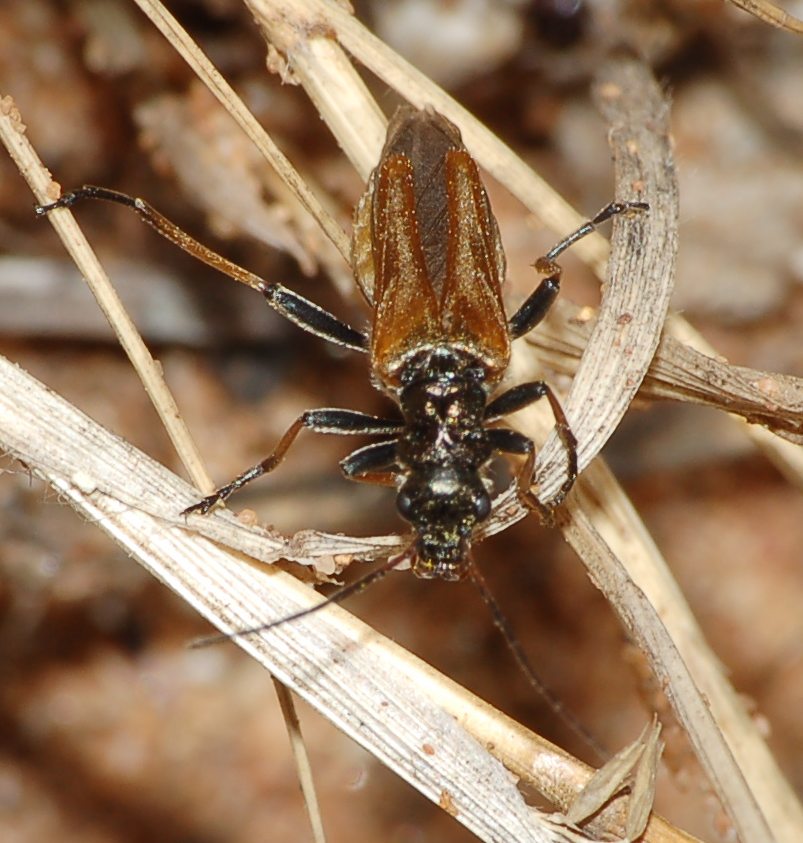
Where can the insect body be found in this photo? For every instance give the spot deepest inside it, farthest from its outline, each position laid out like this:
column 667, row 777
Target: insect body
column 426, row 242
column 427, row 250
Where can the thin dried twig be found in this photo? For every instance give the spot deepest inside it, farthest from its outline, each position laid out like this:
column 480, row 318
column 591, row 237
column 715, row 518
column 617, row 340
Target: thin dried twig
column 770, row 405
column 44, row 191
column 681, row 373
column 771, row 14
column 208, row 74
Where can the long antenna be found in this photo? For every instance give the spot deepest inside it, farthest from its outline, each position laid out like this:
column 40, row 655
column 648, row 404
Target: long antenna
column 514, row 645
column 336, row 597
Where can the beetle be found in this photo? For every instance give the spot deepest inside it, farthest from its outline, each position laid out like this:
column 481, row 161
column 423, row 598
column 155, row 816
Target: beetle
column 427, row 249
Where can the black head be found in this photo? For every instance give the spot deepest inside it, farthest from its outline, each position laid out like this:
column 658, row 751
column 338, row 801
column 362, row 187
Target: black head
column 443, row 504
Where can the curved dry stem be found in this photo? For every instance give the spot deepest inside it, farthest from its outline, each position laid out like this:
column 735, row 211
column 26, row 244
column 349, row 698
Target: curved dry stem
column 679, row 372
column 641, row 271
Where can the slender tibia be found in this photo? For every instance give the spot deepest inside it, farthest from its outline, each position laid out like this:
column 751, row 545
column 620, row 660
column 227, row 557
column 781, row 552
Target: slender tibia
column 312, row 318
column 610, row 210
column 537, row 305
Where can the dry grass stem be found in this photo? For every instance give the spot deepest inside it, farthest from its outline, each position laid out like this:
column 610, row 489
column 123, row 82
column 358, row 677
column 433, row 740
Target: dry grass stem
column 606, row 532
column 371, row 689
column 771, row 14
column 149, row 372
column 209, row 75
column 44, row 190
column 681, row 373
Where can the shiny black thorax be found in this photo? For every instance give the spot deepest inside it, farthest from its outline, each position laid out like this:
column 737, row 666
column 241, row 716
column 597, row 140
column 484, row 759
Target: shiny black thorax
column 441, row 454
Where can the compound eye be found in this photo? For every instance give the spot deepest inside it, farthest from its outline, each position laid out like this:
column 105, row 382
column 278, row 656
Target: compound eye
column 404, row 503
column 482, row 506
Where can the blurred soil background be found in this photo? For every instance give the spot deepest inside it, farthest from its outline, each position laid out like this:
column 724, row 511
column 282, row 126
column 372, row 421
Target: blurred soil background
column 111, row 729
